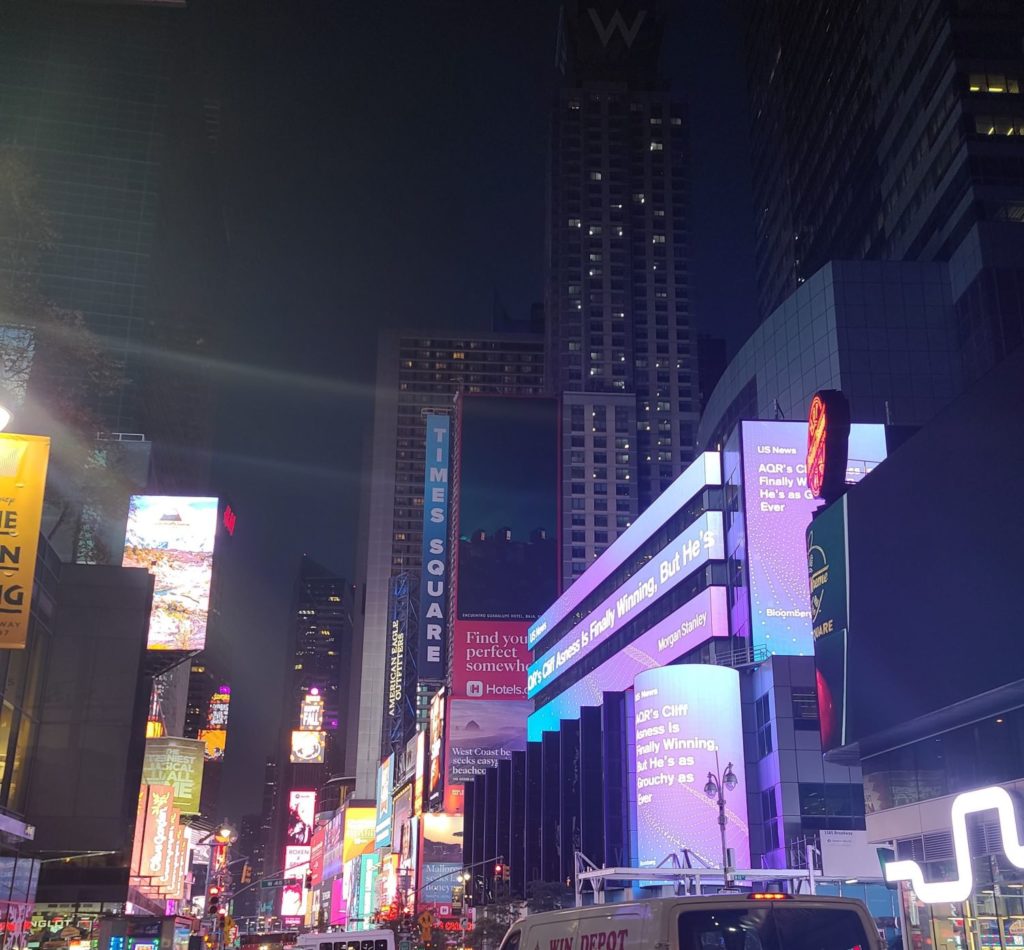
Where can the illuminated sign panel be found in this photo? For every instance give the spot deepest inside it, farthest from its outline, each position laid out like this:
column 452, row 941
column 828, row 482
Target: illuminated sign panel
column 481, row 732
column 420, row 773
column 827, row 577
column 683, row 716
column 301, row 814
column 23, row 463
column 705, row 470
column 360, row 827
column 307, row 746
column 994, row 799
column 178, row 763
column 156, row 834
column 385, row 775
column 778, row 509
column 828, row 433
column 700, row 542
column 489, row 659
column 220, row 706
column 215, row 741
column 311, row 712
column 436, row 723
column 434, row 575
column 697, row 621
column 440, row 858
column 506, row 566
column 173, row 538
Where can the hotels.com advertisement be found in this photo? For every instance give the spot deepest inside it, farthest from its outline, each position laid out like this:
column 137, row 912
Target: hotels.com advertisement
column 489, row 659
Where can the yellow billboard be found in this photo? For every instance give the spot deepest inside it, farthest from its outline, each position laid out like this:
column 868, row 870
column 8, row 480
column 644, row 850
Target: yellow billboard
column 23, row 460
column 178, row 763
column 360, row 826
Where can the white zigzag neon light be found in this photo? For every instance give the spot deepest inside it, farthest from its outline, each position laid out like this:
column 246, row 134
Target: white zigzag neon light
column 940, row 892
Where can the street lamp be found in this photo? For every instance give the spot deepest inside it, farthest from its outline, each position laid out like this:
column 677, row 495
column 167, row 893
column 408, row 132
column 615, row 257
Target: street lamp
column 716, row 787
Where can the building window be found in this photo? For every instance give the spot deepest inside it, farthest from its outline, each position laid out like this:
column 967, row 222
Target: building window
column 762, row 715
column 595, row 176
column 994, row 82
column 805, row 708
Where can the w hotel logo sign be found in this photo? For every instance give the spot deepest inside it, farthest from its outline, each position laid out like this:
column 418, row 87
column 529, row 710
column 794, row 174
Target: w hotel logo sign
column 23, row 461
column 941, row 892
column 609, row 26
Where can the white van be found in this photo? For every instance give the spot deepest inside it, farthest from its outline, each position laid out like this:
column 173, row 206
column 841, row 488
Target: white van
column 714, row 922
column 347, row 940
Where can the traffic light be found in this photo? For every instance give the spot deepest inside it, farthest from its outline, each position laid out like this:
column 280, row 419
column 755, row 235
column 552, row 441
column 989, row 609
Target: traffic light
column 499, row 871
column 213, row 907
column 247, row 873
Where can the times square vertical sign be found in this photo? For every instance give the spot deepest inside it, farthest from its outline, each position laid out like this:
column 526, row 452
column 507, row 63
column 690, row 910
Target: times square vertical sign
column 434, row 573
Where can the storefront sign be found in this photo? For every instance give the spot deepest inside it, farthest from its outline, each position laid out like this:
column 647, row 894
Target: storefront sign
column 828, row 439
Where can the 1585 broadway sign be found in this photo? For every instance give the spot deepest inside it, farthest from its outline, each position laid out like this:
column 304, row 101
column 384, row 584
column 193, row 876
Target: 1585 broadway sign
column 23, row 461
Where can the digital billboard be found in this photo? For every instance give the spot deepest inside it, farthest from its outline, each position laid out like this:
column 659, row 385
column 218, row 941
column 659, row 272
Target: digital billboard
column 481, row 732
column 311, row 711
column 307, row 746
column 507, row 508
column 172, row 537
column 828, row 581
column 778, row 509
column 156, row 829
column 434, row 573
column 693, row 547
column 316, row 855
column 440, row 858
column 687, row 723
column 489, row 659
column 178, row 763
column 333, row 833
column 360, row 825
column 435, row 783
column 385, row 775
column 23, row 463
column 220, row 706
column 704, row 471
column 420, row 773
column 301, row 815
column 215, row 741
column 698, row 620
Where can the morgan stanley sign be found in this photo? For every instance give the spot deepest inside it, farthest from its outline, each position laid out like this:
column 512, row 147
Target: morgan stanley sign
column 434, row 576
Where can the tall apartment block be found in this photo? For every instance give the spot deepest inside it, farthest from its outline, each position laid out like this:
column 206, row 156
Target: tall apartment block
column 893, row 131
column 322, row 615
column 417, row 374
column 621, row 345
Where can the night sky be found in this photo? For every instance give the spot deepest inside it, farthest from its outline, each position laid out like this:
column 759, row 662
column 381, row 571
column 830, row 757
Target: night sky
column 384, row 166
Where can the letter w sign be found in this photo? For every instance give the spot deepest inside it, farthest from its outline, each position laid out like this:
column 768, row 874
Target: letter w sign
column 617, row 23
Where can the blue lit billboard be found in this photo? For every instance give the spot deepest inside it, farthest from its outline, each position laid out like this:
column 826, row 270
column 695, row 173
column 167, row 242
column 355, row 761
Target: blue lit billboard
column 705, row 470
column 687, row 723
column 778, row 509
column 385, row 781
column 695, row 546
column 434, row 573
column 698, row 620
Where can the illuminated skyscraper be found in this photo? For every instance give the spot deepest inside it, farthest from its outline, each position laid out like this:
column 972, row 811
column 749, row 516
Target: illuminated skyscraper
column 622, row 351
column 417, row 374
column 892, row 131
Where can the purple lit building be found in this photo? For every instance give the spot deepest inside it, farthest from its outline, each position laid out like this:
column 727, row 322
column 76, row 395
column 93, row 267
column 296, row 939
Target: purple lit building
column 688, row 639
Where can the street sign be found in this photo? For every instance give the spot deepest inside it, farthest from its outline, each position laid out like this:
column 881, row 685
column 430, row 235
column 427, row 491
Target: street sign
column 272, row 882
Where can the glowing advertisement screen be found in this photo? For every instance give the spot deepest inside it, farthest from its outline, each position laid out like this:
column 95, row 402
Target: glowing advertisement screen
column 697, row 621
column 778, row 507
column 173, row 537
column 301, row 814
column 307, row 746
column 480, row 733
column 687, row 723
column 705, row 470
column 434, row 573
column 700, row 542
column 385, row 775
column 507, row 565
column 489, row 659
column 440, row 858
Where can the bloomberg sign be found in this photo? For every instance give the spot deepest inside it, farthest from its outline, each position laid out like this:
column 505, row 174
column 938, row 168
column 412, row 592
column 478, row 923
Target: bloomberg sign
column 434, row 574
column 701, row 542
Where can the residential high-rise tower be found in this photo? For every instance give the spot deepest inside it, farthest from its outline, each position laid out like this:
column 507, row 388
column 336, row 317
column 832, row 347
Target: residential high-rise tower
column 621, row 344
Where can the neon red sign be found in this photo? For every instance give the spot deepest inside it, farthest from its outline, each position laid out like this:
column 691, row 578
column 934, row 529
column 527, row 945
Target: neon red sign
column 828, row 434
column 230, row 518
